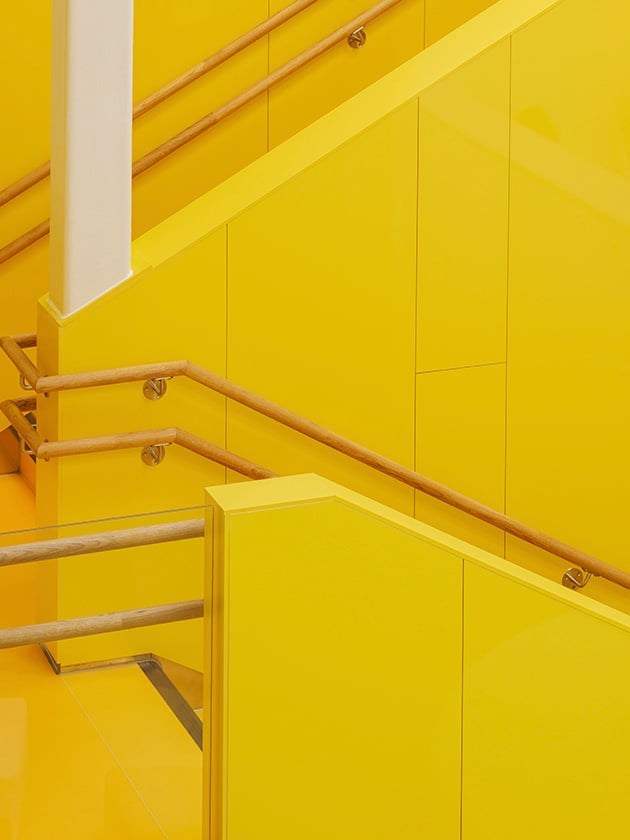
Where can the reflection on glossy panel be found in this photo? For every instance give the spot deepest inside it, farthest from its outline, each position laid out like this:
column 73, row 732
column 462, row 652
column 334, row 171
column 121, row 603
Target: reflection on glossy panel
column 463, row 213
column 57, row 778
column 569, row 300
column 442, row 17
column 153, row 749
column 546, row 729
column 328, row 258
column 342, row 668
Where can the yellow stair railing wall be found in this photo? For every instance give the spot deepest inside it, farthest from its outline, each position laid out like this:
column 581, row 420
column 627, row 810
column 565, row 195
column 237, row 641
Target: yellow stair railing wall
column 359, row 274
column 373, row 677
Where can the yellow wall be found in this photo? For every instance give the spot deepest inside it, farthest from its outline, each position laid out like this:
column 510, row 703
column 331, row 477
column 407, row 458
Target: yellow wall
column 442, row 16
column 569, row 345
column 377, row 309
column 169, row 39
column 373, row 677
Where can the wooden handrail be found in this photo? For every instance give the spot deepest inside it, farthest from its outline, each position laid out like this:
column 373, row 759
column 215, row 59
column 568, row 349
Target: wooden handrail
column 201, row 126
column 212, row 62
column 127, row 440
column 25, row 241
column 25, row 340
column 25, row 183
column 227, row 109
column 73, row 628
column 44, row 384
column 221, row 56
column 25, row 366
column 16, row 555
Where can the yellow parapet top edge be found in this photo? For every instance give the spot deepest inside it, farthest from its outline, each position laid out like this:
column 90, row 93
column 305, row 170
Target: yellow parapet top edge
column 286, row 491
column 334, row 129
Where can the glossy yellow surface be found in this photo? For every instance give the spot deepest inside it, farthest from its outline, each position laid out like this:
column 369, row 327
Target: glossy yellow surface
column 463, row 448
column 341, row 719
column 544, row 708
column 156, row 575
column 442, row 17
column 302, row 268
column 336, row 700
column 169, row 39
column 569, row 343
column 320, row 314
column 392, row 38
column 463, row 215
column 157, row 756
column 65, row 768
column 17, row 583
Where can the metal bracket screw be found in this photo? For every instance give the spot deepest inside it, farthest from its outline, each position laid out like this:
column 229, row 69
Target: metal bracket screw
column 576, row 578
column 153, row 454
column 154, row 389
column 357, row 39
column 33, row 422
column 24, row 384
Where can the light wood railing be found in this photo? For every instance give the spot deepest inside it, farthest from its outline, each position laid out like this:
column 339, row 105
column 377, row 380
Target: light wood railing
column 92, row 544
column 214, row 117
column 148, row 103
column 259, row 404
column 15, row 555
column 12, row 410
column 73, row 628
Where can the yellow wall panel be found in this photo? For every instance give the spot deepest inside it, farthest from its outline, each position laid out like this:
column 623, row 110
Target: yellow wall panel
column 544, row 708
column 170, row 39
column 320, row 308
column 94, row 486
column 460, row 422
column 463, row 215
column 569, row 345
column 392, row 38
column 17, row 513
column 442, row 17
column 340, row 719
column 25, row 73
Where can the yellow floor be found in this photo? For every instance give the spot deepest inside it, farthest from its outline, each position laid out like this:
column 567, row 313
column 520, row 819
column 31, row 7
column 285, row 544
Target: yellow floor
column 92, row 755
column 89, row 755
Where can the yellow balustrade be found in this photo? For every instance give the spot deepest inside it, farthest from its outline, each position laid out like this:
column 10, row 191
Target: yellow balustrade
column 374, row 677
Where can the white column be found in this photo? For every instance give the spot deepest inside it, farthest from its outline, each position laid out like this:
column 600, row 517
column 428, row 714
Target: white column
column 90, row 216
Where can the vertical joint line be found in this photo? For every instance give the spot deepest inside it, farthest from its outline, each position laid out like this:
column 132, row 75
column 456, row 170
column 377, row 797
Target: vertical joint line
column 416, row 304
column 461, row 734
column 507, row 286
